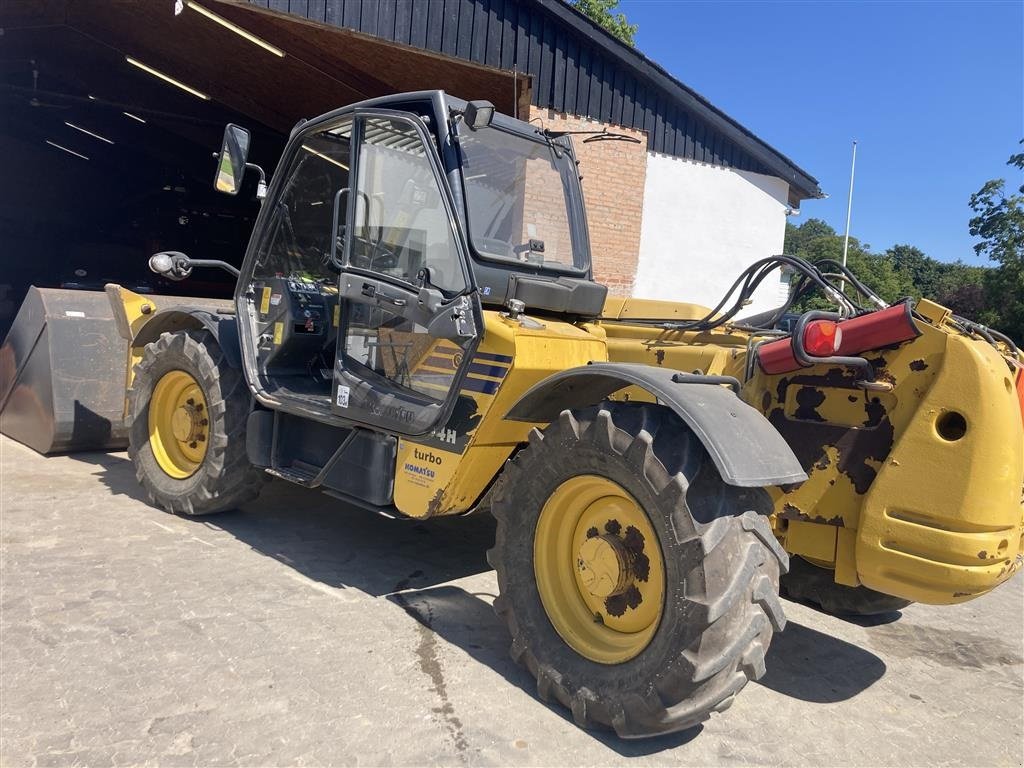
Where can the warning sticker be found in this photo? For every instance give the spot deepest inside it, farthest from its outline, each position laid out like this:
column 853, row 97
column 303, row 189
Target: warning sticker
column 342, row 397
column 278, row 332
column 265, row 301
column 275, row 299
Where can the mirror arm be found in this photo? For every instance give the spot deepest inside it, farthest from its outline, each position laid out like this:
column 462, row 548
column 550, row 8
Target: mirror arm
column 177, row 266
column 214, row 263
column 261, row 185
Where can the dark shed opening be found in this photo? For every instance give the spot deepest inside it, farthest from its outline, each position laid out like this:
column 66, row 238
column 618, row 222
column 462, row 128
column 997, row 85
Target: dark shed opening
column 110, row 113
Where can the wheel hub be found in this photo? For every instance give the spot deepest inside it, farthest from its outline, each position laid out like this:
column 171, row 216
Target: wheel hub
column 187, row 423
column 603, row 565
column 599, row 569
column 178, row 424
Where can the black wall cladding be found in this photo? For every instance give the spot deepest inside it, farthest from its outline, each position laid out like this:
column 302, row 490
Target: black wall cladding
column 576, row 68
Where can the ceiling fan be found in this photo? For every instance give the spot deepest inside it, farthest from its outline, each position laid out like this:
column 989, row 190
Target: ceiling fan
column 34, row 100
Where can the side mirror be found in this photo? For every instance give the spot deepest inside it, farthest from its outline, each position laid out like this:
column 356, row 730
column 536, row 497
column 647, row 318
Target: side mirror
column 231, row 162
column 478, row 114
column 173, row 265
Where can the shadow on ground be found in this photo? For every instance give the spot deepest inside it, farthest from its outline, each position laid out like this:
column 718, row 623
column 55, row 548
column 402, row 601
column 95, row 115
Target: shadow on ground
column 410, row 563
column 812, row 666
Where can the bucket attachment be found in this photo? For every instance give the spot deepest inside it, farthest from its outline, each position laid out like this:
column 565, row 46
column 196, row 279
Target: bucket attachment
column 62, row 373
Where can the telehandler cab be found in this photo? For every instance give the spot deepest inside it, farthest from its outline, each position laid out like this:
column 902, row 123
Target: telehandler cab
column 416, row 331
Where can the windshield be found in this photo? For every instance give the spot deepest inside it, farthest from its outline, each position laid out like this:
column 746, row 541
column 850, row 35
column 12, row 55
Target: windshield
column 519, row 194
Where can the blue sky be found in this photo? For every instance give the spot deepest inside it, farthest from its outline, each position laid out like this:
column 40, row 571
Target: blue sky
column 932, row 91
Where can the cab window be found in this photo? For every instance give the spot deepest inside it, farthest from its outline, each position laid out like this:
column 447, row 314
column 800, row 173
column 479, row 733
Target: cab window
column 402, row 226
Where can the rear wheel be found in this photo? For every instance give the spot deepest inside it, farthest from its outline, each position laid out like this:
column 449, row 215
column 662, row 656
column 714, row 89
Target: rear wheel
column 640, row 590
column 187, row 440
column 810, row 583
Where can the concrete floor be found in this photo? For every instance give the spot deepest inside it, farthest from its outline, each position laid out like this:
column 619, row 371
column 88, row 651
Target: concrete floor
column 297, row 632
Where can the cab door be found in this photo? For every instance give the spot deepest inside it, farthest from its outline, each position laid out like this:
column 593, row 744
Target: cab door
column 409, row 319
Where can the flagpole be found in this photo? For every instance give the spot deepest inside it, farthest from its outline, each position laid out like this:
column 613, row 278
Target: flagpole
column 849, row 210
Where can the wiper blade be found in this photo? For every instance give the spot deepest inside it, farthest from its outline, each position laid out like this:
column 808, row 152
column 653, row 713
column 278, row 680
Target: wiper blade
column 602, row 135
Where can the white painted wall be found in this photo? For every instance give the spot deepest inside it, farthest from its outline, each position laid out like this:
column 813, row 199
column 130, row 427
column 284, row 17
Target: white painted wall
column 702, row 225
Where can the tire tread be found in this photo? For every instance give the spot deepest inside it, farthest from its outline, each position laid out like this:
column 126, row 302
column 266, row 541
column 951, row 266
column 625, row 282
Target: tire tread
column 226, row 478
column 733, row 584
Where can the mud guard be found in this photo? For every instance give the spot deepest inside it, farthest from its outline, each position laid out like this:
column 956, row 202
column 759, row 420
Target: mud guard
column 224, row 328
column 745, row 448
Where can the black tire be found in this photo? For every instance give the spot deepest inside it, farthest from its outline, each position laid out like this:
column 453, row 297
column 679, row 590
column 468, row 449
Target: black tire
column 225, row 478
column 808, row 583
column 721, row 564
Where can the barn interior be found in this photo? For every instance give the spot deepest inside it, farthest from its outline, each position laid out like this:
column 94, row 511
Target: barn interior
column 111, row 114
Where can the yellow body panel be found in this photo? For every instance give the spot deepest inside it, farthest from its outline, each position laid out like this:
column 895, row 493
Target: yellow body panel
column 816, row 542
column 942, row 521
column 888, row 503
column 621, row 308
column 131, row 312
column 448, row 472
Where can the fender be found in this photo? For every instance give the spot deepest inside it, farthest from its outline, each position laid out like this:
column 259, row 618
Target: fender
column 746, row 449
column 223, row 327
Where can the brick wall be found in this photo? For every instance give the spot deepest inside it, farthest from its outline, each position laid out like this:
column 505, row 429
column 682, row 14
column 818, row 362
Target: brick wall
column 613, row 173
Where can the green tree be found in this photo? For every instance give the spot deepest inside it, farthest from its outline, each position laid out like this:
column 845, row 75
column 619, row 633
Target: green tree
column 601, row 12
column 999, row 222
column 924, row 273
column 962, row 289
column 814, row 240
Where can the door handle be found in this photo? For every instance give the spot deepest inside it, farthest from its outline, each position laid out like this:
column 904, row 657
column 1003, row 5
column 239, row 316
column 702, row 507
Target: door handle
column 370, row 291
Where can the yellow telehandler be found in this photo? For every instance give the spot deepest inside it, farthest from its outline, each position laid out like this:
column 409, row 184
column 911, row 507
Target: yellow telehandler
column 416, row 331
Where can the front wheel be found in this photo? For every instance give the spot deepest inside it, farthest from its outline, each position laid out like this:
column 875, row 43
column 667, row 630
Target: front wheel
column 187, row 439
column 640, row 590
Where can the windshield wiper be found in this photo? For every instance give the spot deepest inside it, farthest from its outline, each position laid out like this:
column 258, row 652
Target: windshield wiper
column 602, row 135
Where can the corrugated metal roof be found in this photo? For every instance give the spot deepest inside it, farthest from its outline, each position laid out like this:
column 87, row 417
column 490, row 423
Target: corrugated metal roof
column 576, row 67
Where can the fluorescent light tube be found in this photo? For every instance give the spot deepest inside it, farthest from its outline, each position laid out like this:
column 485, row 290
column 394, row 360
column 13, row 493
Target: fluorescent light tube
column 166, row 78
column 87, row 133
column 323, row 156
column 65, row 149
column 235, row 28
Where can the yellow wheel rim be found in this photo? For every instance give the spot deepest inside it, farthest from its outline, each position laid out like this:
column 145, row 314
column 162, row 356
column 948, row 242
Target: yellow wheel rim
column 599, row 569
column 178, row 424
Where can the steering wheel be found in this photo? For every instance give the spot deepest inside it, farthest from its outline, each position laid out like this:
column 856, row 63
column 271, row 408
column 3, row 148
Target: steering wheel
column 373, row 255
column 366, row 254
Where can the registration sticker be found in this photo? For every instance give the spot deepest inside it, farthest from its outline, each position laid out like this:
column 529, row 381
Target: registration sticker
column 342, row 398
